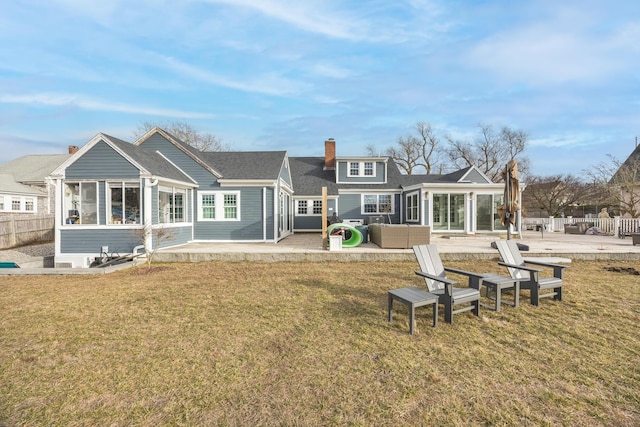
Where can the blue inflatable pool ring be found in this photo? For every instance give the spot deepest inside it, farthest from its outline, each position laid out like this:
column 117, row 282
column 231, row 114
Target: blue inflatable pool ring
column 354, row 235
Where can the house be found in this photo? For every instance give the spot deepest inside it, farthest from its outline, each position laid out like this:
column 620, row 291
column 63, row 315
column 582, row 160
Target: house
column 159, row 191
column 23, row 183
column 626, row 181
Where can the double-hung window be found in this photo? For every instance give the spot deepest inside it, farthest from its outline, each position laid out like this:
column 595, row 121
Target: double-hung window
column 377, row 204
column 365, row 168
column 309, row 207
column 412, row 207
column 219, row 206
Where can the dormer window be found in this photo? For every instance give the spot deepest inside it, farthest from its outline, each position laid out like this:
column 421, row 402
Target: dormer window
column 361, row 169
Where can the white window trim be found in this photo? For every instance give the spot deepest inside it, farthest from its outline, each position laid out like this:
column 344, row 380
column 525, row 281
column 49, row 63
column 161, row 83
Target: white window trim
column 108, row 186
column 393, row 204
column 408, row 197
column 309, row 203
column 80, row 208
column 185, row 203
column 219, row 206
column 361, row 169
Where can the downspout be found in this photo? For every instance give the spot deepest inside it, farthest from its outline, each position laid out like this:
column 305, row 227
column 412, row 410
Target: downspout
column 148, row 216
column 264, row 214
column 57, row 217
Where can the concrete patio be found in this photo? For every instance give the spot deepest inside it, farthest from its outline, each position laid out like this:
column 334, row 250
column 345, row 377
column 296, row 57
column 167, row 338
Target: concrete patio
column 302, row 247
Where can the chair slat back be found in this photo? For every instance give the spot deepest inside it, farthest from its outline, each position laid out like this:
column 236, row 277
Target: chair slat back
column 430, row 262
column 510, row 254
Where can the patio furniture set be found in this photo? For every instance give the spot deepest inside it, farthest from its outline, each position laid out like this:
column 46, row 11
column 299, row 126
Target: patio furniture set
column 456, row 299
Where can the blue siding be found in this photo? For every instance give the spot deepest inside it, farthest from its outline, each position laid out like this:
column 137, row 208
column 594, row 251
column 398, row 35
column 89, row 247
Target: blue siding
column 351, row 208
column 101, row 162
column 91, row 241
column 343, row 170
column 250, row 226
column 174, row 236
column 475, row 176
column 285, row 174
column 203, row 177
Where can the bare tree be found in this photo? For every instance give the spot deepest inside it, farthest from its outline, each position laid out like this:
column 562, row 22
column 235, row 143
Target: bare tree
column 203, row 141
column 555, row 194
column 490, row 151
column 621, row 181
column 149, row 236
column 414, row 153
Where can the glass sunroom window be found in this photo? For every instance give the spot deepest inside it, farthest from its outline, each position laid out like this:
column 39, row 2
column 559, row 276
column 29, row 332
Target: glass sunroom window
column 171, row 204
column 124, row 199
column 81, row 203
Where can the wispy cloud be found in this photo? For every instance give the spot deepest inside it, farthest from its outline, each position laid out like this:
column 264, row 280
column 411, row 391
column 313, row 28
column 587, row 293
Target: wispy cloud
column 268, row 84
column 85, row 103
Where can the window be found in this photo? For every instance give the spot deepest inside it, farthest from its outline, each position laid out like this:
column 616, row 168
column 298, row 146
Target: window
column 1, row 203
column 362, row 169
column 309, row 207
column 448, row 212
column 208, row 206
column 368, row 169
column 124, row 202
column 81, row 203
column 16, row 204
column 171, row 204
column 412, row 207
column 219, row 206
column 29, row 205
column 377, row 203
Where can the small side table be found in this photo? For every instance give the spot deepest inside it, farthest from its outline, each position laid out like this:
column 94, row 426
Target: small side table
column 413, row 298
column 497, row 284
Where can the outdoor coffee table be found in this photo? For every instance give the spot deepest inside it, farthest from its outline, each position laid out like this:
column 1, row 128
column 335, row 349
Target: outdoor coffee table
column 414, row 298
column 497, row 284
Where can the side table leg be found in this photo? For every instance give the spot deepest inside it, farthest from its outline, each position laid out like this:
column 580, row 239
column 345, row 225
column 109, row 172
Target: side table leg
column 411, row 313
column 435, row 314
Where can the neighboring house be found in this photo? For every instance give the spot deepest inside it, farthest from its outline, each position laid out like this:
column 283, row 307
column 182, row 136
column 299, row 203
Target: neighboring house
column 113, row 193
column 627, row 181
column 23, row 183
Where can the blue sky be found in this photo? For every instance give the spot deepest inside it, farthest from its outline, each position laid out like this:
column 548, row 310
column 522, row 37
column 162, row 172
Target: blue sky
column 286, row 75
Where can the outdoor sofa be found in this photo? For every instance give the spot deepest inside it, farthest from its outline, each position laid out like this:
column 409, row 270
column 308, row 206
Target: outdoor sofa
column 399, row 236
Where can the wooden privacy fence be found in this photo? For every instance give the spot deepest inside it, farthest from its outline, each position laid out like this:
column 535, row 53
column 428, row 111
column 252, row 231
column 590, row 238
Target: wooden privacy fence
column 20, row 230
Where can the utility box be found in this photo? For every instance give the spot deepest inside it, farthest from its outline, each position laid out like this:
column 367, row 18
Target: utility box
column 335, row 243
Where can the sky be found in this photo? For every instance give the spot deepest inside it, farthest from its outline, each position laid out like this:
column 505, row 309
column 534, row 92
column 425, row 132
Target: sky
column 287, row 75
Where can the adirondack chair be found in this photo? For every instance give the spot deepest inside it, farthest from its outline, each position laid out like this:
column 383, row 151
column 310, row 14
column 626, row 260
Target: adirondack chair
column 529, row 276
column 434, row 274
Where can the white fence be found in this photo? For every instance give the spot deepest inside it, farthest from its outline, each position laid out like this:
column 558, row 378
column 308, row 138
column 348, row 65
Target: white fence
column 617, row 226
column 19, row 230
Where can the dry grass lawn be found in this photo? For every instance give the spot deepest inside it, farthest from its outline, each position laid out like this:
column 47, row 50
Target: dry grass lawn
column 309, row 344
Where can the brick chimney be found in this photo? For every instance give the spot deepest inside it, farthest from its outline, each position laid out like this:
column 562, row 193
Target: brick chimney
column 330, row 154
column 73, row 149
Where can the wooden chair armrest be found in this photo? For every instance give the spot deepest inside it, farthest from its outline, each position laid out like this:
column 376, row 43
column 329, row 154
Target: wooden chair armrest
column 519, row 267
column 436, row 278
column 545, row 264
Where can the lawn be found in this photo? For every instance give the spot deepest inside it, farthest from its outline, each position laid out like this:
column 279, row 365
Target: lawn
column 309, row 344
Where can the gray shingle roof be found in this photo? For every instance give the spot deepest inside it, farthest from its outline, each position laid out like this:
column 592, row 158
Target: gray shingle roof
column 245, row 164
column 408, row 180
column 33, row 169
column 309, row 176
column 151, row 161
column 9, row 185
